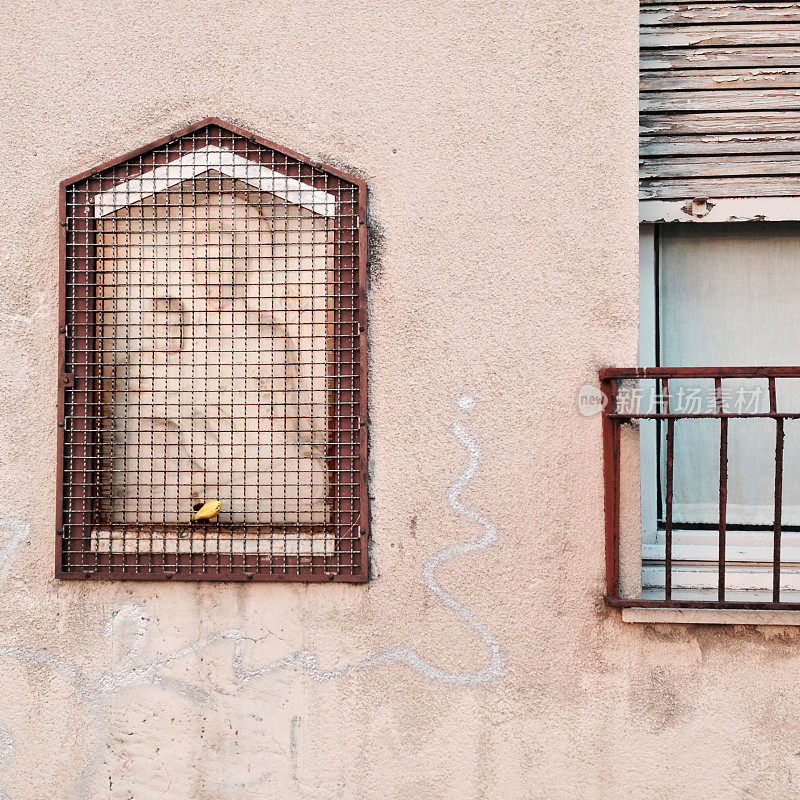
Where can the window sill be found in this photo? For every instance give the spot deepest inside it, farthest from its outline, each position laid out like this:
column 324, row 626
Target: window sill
column 710, row 616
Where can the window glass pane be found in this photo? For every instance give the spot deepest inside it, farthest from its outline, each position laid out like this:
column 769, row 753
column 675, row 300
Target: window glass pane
column 729, row 295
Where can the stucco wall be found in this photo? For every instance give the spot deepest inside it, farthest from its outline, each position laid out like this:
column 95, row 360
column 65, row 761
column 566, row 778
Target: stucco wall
column 498, row 140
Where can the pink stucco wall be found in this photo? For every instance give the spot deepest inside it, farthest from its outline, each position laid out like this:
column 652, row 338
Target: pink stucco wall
column 498, row 141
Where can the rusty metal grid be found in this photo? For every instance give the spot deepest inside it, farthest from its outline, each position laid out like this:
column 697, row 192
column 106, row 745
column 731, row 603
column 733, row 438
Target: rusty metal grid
column 213, row 347
column 668, row 415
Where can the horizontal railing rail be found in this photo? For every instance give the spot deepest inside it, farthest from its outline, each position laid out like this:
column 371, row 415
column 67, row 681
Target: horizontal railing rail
column 619, row 409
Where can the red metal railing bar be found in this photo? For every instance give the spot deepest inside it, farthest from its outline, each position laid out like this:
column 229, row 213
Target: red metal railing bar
column 668, row 493
column 612, row 422
column 723, row 415
column 611, row 488
column 629, row 602
column 622, row 373
column 776, row 542
column 723, row 489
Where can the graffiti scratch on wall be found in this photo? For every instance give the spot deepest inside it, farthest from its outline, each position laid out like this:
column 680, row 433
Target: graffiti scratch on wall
column 134, row 621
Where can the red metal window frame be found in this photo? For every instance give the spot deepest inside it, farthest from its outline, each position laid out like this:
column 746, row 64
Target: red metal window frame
column 77, row 481
column 614, row 418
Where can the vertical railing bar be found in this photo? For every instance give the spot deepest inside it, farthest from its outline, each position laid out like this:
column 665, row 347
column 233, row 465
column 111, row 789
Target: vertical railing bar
column 777, row 521
column 723, row 488
column 611, row 469
column 776, row 543
column 664, row 402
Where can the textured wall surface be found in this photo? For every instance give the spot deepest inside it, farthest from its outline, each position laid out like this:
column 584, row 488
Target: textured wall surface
column 498, row 140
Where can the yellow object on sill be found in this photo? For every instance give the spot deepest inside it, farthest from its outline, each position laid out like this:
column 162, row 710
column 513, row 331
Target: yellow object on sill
column 207, row 511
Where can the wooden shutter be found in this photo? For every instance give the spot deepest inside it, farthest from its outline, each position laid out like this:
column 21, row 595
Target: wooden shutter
column 719, row 106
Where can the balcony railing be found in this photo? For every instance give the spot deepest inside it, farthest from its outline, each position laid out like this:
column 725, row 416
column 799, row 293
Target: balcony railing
column 633, row 396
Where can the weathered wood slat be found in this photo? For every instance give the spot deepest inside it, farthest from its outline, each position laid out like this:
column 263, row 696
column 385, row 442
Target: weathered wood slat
column 643, row 4
column 713, row 79
column 718, row 13
column 719, row 144
column 689, row 187
column 709, row 122
column 787, row 33
column 721, row 100
column 716, row 57
column 719, row 166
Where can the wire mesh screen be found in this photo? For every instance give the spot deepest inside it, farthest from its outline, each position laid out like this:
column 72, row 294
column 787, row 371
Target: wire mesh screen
column 213, row 395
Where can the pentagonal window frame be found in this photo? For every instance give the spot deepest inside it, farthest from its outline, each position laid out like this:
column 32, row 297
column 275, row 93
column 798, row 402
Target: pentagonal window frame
column 269, row 552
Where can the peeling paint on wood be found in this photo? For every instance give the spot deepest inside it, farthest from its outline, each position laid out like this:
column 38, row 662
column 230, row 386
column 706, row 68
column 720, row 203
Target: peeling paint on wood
column 709, row 79
column 722, row 122
column 720, row 36
column 714, row 57
column 720, row 166
column 690, row 187
column 722, row 100
column 719, row 99
column 729, row 209
column 706, row 13
column 720, row 144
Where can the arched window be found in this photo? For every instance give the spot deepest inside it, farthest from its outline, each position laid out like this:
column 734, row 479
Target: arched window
column 214, row 352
